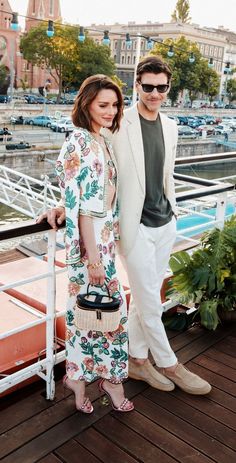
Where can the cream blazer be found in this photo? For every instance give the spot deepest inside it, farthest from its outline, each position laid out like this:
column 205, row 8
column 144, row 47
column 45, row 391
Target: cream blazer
column 128, row 150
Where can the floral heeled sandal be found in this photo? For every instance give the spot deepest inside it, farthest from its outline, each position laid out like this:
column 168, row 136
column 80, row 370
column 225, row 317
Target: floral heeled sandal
column 86, row 406
column 123, row 406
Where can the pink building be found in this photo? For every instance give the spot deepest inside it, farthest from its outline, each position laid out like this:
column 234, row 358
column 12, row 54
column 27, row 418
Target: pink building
column 22, row 73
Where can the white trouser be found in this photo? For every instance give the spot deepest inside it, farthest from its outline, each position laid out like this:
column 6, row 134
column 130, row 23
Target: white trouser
column 146, row 265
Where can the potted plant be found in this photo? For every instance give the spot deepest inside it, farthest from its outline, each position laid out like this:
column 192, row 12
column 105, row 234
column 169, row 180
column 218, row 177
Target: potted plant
column 207, row 277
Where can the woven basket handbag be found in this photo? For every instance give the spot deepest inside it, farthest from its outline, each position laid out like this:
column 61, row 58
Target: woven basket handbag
column 97, row 312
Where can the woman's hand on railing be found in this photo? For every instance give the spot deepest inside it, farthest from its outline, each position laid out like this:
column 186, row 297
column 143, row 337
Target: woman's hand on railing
column 55, row 216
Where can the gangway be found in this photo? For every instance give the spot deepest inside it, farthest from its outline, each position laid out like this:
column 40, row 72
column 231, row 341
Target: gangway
column 26, row 194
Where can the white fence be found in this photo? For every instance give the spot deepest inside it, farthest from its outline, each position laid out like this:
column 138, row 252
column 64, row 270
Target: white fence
column 191, row 201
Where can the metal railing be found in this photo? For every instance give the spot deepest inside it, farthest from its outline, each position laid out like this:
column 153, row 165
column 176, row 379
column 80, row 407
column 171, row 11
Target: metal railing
column 26, row 194
column 199, row 189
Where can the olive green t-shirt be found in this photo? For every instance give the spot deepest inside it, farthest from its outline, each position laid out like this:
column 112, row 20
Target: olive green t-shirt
column 157, row 209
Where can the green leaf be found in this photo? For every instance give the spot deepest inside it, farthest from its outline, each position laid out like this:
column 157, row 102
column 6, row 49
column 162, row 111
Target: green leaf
column 70, row 198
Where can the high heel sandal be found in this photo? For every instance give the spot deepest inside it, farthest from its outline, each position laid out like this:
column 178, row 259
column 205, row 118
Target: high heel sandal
column 83, row 408
column 123, row 404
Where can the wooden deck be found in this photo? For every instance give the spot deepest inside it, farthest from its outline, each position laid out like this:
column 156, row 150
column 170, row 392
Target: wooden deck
column 165, row 427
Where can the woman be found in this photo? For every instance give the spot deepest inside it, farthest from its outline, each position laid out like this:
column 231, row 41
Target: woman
column 88, row 180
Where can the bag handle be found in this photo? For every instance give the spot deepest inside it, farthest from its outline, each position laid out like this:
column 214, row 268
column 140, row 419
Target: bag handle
column 104, row 284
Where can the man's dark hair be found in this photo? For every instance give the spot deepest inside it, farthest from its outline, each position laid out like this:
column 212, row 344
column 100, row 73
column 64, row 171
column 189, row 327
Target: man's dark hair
column 153, row 64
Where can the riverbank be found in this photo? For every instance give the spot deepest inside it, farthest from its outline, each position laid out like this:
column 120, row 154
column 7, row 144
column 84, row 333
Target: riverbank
column 38, row 163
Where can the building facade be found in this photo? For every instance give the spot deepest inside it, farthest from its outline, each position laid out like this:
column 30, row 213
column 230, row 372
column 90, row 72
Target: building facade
column 219, row 45
column 21, row 74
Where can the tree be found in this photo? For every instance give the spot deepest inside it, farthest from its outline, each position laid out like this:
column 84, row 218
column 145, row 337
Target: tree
column 231, row 89
column 181, row 12
column 93, row 58
column 4, row 79
column 65, row 58
column 210, row 83
column 193, row 77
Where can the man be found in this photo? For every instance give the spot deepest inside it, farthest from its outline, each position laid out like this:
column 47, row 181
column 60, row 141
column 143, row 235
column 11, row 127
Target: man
column 145, row 149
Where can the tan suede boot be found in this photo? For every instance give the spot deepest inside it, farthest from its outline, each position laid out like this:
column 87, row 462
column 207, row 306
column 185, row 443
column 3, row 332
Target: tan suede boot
column 187, row 381
column 150, row 375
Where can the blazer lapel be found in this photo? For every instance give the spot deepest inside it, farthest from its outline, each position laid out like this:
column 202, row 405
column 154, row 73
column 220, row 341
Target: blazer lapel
column 167, row 138
column 136, row 143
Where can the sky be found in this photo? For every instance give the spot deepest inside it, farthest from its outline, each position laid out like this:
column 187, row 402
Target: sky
column 211, row 13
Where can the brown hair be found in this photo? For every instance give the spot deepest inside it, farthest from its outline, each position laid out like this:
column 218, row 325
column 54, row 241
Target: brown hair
column 87, row 93
column 152, row 64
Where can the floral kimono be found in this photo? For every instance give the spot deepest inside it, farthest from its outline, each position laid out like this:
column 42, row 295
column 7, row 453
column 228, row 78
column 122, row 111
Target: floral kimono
column 83, row 177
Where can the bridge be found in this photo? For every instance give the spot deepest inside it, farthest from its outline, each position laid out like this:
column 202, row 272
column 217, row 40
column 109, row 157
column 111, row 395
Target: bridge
column 26, row 194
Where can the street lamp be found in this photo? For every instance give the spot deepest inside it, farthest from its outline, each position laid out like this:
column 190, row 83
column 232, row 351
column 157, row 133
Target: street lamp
column 14, row 27
column 137, row 55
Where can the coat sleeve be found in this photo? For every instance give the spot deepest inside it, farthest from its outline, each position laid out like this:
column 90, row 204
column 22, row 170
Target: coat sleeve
column 171, row 186
column 80, row 172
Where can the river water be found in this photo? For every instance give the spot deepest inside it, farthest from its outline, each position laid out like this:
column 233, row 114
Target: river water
column 9, row 215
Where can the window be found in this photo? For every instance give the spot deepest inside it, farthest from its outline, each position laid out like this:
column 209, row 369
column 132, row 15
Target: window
column 33, row 7
column 122, row 59
column 128, row 59
column 211, row 51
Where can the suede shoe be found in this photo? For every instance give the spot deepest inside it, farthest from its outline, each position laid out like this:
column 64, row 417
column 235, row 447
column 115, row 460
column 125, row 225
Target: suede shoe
column 187, row 381
column 150, row 375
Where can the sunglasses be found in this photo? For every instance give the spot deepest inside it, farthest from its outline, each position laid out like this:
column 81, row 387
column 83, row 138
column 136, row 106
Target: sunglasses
column 148, row 88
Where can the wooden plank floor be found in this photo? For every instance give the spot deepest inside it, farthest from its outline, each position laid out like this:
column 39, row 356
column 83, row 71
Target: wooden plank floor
column 165, row 427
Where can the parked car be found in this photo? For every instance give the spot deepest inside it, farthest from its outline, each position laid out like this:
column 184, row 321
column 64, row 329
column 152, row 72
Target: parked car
column 18, row 146
column 175, row 118
column 187, row 132
column 217, row 104
column 222, row 129
column 209, row 130
column 194, row 123
column 218, row 120
column 16, row 120
column 56, row 122
column 62, row 100
column 43, row 121
column 183, row 120
column 230, row 106
column 226, row 120
column 5, row 98
column 8, row 134
column 210, row 120
column 37, row 99
column 201, row 120
column 127, row 100
column 63, row 126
